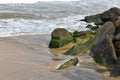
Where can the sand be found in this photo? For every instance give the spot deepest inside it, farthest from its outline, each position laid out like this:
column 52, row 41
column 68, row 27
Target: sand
column 26, row 57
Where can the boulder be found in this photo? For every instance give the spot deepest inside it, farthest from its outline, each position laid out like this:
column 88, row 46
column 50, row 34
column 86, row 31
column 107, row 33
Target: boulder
column 94, row 18
column 117, row 21
column 110, row 15
column 104, row 52
column 107, row 29
column 59, row 38
column 117, row 25
column 67, row 63
column 115, row 72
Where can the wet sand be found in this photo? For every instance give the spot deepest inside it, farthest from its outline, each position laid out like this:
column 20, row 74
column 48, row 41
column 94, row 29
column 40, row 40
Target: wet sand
column 26, row 58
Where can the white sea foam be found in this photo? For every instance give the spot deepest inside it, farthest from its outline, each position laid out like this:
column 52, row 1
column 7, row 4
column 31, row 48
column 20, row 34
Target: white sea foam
column 44, row 17
column 23, row 26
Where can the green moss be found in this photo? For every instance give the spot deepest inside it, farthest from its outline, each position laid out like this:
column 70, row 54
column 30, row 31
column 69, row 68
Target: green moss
column 60, row 37
column 94, row 28
column 101, row 60
column 81, row 46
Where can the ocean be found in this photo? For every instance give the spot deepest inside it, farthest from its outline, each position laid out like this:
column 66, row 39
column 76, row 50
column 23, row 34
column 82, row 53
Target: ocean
column 44, row 17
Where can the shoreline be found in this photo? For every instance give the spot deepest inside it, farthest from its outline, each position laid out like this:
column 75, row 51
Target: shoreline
column 26, row 57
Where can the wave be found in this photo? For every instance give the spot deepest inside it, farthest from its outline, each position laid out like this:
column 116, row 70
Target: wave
column 24, row 26
column 44, row 17
column 7, row 15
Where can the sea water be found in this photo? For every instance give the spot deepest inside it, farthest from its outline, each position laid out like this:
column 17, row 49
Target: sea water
column 44, row 17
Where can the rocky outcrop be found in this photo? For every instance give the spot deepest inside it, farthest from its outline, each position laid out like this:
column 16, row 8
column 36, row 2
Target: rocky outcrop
column 104, row 52
column 110, row 15
column 94, row 18
column 107, row 29
column 116, row 72
column 59, row 38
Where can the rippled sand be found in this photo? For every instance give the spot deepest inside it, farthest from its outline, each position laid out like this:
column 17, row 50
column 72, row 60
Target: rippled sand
column 26, row 58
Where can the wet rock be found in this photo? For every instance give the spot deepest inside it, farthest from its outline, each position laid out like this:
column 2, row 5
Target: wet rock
column 59, row 38
column 94, row 18
column 94, row 28
column 104, row 52
column 67, row 63
column 117, row 37
column 78, row 34
column 116, row 72
column 110, row 15
column 117, row 21
column 107, row 29
column 117, row 25
column 82, row 46
column 82, row 33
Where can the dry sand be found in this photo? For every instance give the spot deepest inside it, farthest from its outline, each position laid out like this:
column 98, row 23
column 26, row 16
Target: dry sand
column 26, row 58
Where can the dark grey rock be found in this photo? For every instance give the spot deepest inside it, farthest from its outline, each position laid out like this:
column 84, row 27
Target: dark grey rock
column 110, row 15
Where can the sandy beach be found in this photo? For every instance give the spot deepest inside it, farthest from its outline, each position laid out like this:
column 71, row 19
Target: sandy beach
column 26, row 58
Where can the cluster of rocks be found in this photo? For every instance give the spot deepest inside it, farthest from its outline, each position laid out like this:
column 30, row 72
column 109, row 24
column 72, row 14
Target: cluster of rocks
column 106, row 50
column 105, row 44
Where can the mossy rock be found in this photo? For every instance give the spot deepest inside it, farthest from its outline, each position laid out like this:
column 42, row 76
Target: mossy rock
column 94, row 18
column 71, row 62
column 60, row 37
column 82, row 46
column 104, row 52
column 94, row 28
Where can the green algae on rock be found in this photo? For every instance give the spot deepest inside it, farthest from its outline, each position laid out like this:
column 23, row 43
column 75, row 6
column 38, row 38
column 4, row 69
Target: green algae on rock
column 67, row 63
column 59, row 38
column 83, row 45
column 94, row 18
column 94, row 28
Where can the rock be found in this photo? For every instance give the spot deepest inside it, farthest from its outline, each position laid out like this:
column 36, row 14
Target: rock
column 117, row 37
column 82, row 46
column 94, row 18
column 94, row 28
column 67, row 63
column 78, row 34
column 82, row 33
column 117, row 21
column 116, row 72
column 104, row 52
column 110, row 15
column 107, row 29
column 117, row 25
column 59, row 38
column 117, row 47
